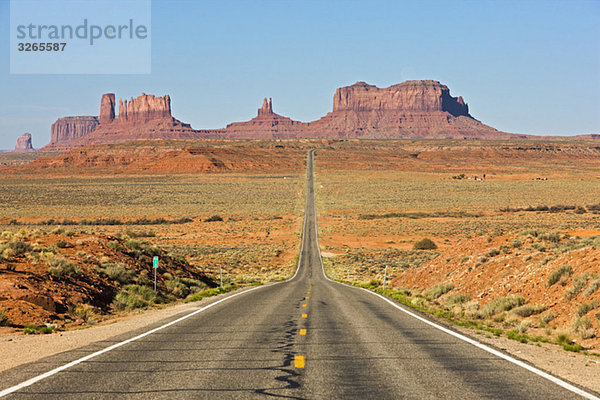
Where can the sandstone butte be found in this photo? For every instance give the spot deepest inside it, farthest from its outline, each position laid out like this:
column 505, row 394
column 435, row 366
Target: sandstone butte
column 23, row 144
column 412, row 109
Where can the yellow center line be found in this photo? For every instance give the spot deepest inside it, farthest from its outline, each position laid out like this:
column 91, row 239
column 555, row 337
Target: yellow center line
column 303, row 305
column 303, row 331
column 304, row 315
column 299, row 361
column 306, row 298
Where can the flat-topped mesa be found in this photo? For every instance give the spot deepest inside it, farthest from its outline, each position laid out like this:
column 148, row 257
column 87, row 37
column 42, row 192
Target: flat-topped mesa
column 23, row 144
column 414, row 96
column 107, row 108
column 266, row 109
column 144, row 108
column 67, row 129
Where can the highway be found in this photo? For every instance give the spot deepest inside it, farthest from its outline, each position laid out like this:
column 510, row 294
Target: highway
column 306, row 338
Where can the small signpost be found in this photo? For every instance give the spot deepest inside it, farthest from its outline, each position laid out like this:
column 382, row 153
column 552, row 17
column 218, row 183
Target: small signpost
column 221, row 275
column 155, row 265
column 385, row 277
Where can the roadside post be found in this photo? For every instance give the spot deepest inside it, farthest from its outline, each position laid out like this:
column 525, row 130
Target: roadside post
column 385, row 277
column 155, row 265
column 221, row 275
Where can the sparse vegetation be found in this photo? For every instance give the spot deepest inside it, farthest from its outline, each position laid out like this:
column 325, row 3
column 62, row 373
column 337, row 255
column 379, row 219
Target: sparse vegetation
column 459, row 299
column 117, row 272
column 60, row 267
column 134, row 296
column 501, row 304
column 527, row 310
column 439, row 290
column 586, row 308
column 584, row 327
column 4, row 320
column 425, row 244
column 558, row 274
column 579, row 283
column 591, row 289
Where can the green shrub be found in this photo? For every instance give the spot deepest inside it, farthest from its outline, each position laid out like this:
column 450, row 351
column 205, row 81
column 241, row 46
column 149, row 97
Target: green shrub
column 572, row 347
column 30, row 329
column 501, row 304
column 134, row 244
column 594, row 285
column 553, row 237
column 63, row 244
column 516, row 335
column 425, row 244
column 562, row 271
column 584, row 328
column 117, row 271
column 459, row 299
column 177, row 288
column 4, row 320
column 115, row 245
column 563, row 339
column 134, row 296
column 516, row 243
column 438, row 290
column 82, row 311
column 527, row 310
column 586, row 308
column 19, row 248
column 59, row 267
column 492, row 253
column 579, row 283
column 546, row 318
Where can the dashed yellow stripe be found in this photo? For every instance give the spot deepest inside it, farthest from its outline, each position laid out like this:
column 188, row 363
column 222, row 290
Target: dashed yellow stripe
column 304, row 315
column 303, row 305
column 299, row 361
column 303, row 332
column 306, row 298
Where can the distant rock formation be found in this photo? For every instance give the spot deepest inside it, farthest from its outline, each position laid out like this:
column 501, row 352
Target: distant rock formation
column 143, row 117
column 409, row 96
column 67, row 129
column 23, row 144
column 144, row 108
column 266, row 125
column 412, row 109
column 107, row 108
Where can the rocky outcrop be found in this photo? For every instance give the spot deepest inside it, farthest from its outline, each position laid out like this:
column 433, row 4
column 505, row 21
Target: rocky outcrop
column 266, row 125
column 67, row 129
column 144, row 117
column 107, row 108
column 23, row 144
column 409, row 96
column 412, row 109
column 144, row 108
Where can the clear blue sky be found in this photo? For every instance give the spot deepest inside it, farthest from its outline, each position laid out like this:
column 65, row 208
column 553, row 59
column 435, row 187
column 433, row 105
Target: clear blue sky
column 523, row 66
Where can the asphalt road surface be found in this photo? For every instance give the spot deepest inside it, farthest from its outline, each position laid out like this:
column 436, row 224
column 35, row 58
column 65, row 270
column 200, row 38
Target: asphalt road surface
column 307, row 338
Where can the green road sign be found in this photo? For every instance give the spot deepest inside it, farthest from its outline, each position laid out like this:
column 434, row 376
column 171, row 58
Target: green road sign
column 155, row 262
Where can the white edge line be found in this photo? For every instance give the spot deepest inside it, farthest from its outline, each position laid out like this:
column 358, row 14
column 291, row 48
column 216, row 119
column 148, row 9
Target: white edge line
column 38, row 378
column 464, row 338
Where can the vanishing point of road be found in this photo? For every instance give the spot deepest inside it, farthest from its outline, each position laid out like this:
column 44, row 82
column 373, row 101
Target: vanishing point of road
column 306, row 338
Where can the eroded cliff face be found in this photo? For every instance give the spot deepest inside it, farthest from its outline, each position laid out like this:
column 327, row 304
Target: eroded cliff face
column 413, row 96
column 23, row 144
column 144, row 108
column 67, row 129
column 144, row 117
